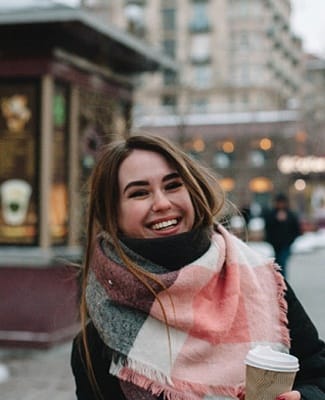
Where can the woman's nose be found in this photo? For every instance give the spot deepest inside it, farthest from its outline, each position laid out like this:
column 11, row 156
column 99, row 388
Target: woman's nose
column 160, row 202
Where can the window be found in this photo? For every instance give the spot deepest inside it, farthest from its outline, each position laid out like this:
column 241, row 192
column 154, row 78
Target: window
column 244, row 74
column 256, row 158
column 169, row 19
column 168, row 100
column 243, row 7
column 243, row 40
column 169, row 47
column 200, row 20
column 200, row 49
column 135, row 18
column 203, row 76
column 241, row 74
column 240, row 41
column 260, row 184
column 170, row 77
column 244, row 98
column 221, row 160
column 200, row 105
column 19, row 142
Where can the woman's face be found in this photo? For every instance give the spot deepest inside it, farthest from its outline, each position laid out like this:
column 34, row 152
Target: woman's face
column 154, row 201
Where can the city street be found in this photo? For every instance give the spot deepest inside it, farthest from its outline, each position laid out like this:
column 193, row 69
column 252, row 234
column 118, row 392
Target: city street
column 38, row 374
column 45, row 374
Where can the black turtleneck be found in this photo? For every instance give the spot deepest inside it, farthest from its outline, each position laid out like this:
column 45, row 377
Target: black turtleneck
column 172, row 252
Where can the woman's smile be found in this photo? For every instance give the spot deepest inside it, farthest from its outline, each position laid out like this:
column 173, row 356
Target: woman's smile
column 165, row 224
column 154, row 201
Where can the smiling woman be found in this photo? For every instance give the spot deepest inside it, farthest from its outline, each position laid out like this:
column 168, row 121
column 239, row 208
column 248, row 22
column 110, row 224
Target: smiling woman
column 154, row 201
column 171, row 301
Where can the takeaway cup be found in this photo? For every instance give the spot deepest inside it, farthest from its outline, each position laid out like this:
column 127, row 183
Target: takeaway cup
column 15, row 196
column 269, row 373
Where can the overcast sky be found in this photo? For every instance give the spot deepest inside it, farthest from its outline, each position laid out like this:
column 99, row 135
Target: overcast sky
column 308, row 21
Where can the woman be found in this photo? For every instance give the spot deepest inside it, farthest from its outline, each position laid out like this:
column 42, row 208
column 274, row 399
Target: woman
column 171, row 301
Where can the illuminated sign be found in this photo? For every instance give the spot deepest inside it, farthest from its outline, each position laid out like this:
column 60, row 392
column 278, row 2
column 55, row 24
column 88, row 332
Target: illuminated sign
column 303, row 165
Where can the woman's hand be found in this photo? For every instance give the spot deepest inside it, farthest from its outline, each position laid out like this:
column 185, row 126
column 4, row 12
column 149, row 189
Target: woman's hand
column 293, row 395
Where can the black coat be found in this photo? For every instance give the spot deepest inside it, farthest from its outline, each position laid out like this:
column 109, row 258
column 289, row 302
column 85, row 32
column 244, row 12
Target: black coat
column 305, row 344
column 281, row 234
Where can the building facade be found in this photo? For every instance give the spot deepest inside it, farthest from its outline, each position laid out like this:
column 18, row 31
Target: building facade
column 238, row 101
column 234, row 103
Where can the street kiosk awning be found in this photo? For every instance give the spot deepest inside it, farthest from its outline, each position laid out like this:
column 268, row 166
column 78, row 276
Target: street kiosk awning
column 47, row 25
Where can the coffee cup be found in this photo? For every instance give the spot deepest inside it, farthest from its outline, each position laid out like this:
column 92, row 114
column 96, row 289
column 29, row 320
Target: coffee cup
column 269, row 373
column 15, row 196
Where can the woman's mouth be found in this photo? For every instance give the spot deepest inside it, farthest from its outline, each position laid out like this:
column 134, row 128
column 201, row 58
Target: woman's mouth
column 164, row 224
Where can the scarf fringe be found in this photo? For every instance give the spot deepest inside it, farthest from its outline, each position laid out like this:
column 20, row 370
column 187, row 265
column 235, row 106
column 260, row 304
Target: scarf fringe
column 158, row 383
column 132, row 366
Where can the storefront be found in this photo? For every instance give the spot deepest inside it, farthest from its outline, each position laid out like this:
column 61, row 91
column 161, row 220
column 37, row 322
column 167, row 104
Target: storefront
column 306, row 176
column 66, row 87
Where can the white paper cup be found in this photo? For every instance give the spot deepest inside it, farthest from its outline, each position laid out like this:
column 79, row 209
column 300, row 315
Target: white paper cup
column 15, row 196
column 269, row 373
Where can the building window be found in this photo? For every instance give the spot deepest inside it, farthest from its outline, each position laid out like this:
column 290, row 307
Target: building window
column 169, row 19
column 256, row 158
column 199, row 105
column 221, row 160
column 203, row 76
column 243, row 40
column 170, row 77
column 239, row 41
column 244, row 8
column 200, row 20
column 135, row 18
column 227, row 184
column 244, row 72
column 169, row 47
column 241, row 74
column 200, row 48
column 260, row 184
column 19, row 143
column 168, row 101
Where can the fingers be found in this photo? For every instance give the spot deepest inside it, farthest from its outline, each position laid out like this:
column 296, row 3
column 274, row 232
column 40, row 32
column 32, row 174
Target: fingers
column 293, row 395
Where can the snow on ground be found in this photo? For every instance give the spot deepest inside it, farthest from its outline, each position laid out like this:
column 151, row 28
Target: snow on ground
column 4, row 373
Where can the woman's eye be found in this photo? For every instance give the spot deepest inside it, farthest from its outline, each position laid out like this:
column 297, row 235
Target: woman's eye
column 174, row 185
column 138, row 193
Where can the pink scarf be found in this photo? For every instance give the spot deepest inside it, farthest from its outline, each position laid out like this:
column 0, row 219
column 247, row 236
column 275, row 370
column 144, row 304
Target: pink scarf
column 223, row 304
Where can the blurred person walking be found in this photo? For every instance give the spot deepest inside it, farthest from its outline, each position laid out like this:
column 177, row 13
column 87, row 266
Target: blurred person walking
column 281, row 229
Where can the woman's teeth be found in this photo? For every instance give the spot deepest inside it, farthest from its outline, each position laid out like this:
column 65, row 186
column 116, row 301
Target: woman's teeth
column 164, row 224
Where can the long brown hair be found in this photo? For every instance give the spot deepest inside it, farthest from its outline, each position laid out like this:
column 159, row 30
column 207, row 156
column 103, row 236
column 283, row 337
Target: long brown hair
column 103, row 200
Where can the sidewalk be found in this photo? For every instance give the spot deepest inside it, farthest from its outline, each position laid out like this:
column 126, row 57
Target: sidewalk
column 38, row 374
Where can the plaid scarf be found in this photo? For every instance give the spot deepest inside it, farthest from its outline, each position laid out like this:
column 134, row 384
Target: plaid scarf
column 217, row 308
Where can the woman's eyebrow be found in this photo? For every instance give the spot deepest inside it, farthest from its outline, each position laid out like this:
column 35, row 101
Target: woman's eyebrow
column 135, row 183
column 168, row 177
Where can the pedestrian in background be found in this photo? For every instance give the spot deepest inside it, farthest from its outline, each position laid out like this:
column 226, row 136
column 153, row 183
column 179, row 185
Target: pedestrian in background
column 172, row 302
column 282, row 227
